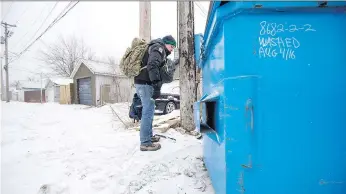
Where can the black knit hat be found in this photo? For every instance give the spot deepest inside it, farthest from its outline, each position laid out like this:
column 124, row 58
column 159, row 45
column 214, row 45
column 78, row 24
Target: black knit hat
column 169, row 40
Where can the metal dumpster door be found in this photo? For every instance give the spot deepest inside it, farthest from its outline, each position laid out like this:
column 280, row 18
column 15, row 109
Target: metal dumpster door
column 241, row 134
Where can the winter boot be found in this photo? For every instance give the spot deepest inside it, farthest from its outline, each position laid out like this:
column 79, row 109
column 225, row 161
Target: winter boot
column 152, row 147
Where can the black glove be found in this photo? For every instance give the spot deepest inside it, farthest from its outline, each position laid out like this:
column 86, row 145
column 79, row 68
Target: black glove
column 176, row 62
column 157, row 89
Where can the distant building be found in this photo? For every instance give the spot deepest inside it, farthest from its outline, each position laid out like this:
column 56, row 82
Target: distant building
column 53, row 88
column 30, row 91
column 14, row 94
column 96, row 83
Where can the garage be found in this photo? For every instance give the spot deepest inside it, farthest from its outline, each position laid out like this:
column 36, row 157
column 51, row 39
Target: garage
column 95, row 83
column 34, row 96
column 84, row 91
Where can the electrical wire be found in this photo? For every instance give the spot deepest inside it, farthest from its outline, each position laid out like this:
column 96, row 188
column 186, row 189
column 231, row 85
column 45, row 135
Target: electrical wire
column 49, row 27
column 201, row 9
column 32, row 24
column 51, row 11
column 29, row 58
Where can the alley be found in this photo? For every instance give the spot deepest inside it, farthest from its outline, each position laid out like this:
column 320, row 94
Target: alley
column 52, row 148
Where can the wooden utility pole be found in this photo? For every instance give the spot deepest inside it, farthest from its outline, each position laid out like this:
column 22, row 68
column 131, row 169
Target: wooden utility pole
column 5, row 40
column 187, row 70
column 41, row 77
column 2, row 80
column 144, row 28
column 145, row 20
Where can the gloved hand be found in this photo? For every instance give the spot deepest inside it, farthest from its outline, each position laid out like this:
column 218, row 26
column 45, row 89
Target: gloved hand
column 157, row 89
column 176, row 62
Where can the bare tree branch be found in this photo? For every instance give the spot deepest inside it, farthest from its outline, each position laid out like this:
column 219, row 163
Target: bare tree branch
column 15, row 84
column 32, row 78
column 63, row 56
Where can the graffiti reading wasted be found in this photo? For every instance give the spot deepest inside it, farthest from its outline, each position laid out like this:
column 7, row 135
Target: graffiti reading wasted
column 273, row 45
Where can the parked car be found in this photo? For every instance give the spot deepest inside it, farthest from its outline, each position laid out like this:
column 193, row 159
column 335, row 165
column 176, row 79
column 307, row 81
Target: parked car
column 167, row 102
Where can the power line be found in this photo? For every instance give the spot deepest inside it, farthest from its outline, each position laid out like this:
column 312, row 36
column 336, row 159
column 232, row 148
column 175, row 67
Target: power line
column 32, row 24
column 49, row 27
column 47, row 16
column 29, row 58
column 201, row 9
column 51, row 11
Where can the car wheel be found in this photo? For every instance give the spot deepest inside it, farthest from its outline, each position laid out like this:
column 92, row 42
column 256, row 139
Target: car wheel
column 170, row 107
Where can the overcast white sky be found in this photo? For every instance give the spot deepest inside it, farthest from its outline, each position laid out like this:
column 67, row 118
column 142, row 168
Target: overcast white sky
column 106, row 27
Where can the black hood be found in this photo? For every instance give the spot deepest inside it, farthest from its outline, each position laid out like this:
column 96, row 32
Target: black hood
column 160, row 41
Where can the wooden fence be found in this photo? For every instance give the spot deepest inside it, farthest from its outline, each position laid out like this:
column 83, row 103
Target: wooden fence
column 66, row 94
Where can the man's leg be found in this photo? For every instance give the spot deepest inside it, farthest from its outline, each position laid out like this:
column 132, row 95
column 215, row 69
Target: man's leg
column 153, row 138
column 145, row 92
column 151, row 124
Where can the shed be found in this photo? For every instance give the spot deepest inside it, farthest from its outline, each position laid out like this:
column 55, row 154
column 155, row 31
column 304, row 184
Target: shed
column 53, row 88
column 96, row 83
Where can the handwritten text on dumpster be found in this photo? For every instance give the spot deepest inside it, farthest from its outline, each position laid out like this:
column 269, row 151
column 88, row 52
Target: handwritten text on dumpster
column 273, row 45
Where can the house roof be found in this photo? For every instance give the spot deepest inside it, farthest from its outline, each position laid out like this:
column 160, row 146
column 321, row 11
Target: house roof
column 99, row 68
column 61, row 81
column 31, row 85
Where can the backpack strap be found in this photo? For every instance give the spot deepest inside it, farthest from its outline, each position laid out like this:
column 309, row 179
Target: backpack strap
column 149, row 50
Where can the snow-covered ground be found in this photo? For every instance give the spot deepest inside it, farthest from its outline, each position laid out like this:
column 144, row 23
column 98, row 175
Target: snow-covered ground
column 73, row 149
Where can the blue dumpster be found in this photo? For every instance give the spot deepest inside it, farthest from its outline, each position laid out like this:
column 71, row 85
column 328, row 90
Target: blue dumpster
column 274, row 97
column 198, row 43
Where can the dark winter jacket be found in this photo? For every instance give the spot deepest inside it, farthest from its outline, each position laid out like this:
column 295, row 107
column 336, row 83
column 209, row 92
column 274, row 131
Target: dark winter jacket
column 154, row 58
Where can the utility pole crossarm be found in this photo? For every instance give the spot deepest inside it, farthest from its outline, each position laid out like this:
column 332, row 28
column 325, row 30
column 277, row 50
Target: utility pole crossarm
column 6, row 24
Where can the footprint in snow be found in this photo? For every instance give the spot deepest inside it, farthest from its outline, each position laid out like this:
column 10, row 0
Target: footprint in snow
column 53, row 189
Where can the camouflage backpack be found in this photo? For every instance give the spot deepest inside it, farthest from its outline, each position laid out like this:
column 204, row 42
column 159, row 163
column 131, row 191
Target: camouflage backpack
column 130, row 63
